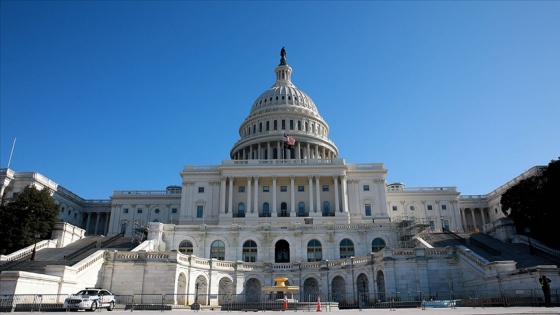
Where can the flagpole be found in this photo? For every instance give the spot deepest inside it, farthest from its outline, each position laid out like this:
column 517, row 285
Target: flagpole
column 12, row 152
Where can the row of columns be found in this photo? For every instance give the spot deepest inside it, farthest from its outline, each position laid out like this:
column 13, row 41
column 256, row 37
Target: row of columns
column 310, row 151
column 473, row 217
column 96, row 229
column 252, row 201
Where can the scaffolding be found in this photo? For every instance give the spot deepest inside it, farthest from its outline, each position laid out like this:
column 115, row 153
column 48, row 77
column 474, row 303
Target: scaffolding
column 408, row 228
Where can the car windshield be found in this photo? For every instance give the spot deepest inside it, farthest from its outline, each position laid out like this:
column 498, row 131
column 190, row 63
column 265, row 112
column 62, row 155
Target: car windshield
column 87, row 292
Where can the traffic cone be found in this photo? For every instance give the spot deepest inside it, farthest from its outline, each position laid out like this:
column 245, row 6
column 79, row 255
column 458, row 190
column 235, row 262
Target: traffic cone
column 318, row 303
column 285, row 304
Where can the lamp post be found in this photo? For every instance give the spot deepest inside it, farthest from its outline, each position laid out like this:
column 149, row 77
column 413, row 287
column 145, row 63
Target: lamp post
column 196, row 305
column 37, row 237
column 364, row 284
column 328, row 284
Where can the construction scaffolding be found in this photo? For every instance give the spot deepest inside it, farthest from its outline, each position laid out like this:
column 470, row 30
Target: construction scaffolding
column 408, row 229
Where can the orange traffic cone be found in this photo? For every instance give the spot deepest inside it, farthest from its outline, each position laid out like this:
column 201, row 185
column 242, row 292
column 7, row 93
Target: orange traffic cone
column 318, row 303
column 285, row 304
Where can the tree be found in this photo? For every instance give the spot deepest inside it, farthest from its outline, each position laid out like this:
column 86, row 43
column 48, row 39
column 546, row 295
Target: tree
column 29, row 213
column 532, row 203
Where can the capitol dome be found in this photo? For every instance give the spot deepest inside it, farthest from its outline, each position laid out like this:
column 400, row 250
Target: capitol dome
column 284, row 123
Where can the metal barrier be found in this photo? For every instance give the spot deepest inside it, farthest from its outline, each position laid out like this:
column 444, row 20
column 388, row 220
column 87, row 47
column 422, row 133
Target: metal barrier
column 300, row 301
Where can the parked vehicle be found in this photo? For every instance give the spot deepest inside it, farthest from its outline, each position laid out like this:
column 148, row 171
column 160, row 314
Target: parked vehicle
column 90, row 299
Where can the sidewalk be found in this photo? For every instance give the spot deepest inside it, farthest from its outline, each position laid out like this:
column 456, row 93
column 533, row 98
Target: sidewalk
column 398, row 311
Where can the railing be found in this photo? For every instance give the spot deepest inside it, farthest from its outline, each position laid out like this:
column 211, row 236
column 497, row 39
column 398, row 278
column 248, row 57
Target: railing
column 81, row 251
column 455, row 236
column 299, row 301
column 491, row 250
column 112, row 239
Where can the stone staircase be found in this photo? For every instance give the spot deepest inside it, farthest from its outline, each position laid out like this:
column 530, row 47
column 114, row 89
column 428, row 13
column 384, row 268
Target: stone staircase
column 57, row 256
column 491, row 248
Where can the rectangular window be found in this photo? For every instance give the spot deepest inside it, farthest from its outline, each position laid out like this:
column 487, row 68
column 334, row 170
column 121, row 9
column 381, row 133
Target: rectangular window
column 368, row 209
column 430, row 207
column 300, row 188
column 173, row 210
column 139, row 210
column 432, row 225
column 325, row 187
column 199, row 211
column 283, row 188
column 394, row 208
column 200, row 189
column 266, row 189
column 125, row 210
column 443, row 207
column 366, row 187
column 242, row 189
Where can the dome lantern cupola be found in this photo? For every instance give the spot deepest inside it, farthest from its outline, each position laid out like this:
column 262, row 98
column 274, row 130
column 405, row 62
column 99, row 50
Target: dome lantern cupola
column 283, row 113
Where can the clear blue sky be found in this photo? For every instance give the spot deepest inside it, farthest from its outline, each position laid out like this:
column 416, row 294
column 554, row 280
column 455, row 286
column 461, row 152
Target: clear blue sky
column 106, row 95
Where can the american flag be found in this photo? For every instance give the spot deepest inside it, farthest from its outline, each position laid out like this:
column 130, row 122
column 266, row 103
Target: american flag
column 289, row 139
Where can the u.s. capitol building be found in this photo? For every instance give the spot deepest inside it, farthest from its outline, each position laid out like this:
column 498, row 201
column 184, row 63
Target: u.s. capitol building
column 285, row 204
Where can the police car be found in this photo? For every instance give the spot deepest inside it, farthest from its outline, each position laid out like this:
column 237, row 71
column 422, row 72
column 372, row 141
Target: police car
column 90, row 299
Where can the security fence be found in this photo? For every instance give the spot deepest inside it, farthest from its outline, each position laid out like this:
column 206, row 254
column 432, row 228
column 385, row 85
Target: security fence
column 300, row 301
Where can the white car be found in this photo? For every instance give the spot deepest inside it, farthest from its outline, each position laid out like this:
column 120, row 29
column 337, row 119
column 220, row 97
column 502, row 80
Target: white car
column 90, row 299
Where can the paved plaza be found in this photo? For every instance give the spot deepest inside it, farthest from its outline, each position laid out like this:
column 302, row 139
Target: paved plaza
column 399, row 311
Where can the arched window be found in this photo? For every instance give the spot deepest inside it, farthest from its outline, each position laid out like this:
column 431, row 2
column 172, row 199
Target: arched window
column 266, row 210
column 301, row 209
column 346, row 248
column 260, row 127
column 299, row 125
column 283, row 124
column 267, row 125
column 218, row 250
column 186, row 248
column 291, row 124
column 250, row 251
column 241, row 210
column 326, row 209
column 314, row 251
column 377, row 245
column 276, row 125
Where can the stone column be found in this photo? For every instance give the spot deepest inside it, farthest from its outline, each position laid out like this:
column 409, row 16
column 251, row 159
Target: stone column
column 311, row 208
column 318, row 193
column 381, row 189
column 344, row 194
column 248, row 207
column 268, row 153
column 465, row 225
column 230, row 201
column 292, row 196
column 87, row 221
column 274, row 196
column 223, row 195
column 473, row 219
column 97, row 214
column 336, row 198
column 256, row 204
column 107, row 215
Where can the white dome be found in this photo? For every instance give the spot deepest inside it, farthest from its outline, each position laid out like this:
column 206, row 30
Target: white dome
column 282, row 111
